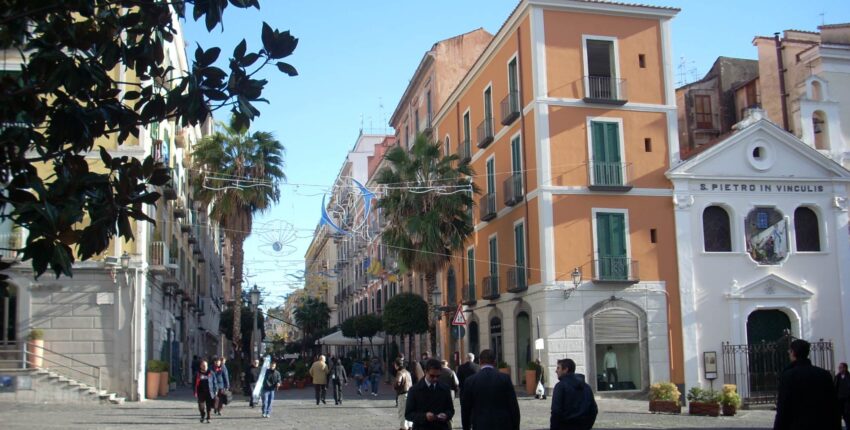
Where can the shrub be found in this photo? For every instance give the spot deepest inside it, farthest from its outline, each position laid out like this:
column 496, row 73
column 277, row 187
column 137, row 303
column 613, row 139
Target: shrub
column 665, row 391
column 36, row 334
column 300, row 370
column 729, row 396
column 156, row 366
column 697, row 394
column 503, row 365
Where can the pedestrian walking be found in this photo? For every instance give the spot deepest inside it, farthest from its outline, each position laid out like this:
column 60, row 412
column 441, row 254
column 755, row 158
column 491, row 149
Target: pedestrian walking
column 402, row 385
column 375, row 372
column 252, row 376
column 358, row 370
column 489, row 400
column 319, row 372
column 806, row 397
column 465, row 370
column 429, row 403
column 842, row 390
column 195, row 366
column 205, row 389
column 270, row 384
column 338, row 378
column 222, row 378
column 417, row 372
column 573, row 404
column 448, row 377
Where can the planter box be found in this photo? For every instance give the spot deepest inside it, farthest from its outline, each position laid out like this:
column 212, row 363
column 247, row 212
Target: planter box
column 664, row 406
column 704, row 409
column 729, row 410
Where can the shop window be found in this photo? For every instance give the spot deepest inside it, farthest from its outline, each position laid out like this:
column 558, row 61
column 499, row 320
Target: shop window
column 616, row 337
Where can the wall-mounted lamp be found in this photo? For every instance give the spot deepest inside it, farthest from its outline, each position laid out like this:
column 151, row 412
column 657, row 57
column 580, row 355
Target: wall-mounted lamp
column 576, row 277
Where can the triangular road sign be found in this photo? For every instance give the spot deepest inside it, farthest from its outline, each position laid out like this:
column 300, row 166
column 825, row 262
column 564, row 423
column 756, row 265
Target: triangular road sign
column 459, row 319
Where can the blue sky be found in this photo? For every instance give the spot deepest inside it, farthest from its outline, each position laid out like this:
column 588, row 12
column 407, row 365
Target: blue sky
column 355, row 59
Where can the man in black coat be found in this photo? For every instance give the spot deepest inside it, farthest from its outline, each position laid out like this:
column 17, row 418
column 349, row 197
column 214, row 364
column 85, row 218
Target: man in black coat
column 429, row 403
column 488, row 400
column 252, row 376
column 573, row 404
column 842, row 390
column 806, row 395
column 466, row 370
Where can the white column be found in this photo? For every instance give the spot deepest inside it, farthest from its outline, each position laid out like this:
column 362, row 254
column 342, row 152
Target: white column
column 685, row 247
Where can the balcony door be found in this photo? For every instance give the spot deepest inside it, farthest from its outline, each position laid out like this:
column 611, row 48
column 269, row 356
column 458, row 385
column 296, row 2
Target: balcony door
column 607, row 161
column 612, row 257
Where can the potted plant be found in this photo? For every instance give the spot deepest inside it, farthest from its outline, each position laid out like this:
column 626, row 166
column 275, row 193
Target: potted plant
column 152, row 379
column 35, row 348
column 163, row 378
column 300, row 374
column 664, row 397
column 504, row 368
column 703, row 402
column 730, row 401
column 532, row 373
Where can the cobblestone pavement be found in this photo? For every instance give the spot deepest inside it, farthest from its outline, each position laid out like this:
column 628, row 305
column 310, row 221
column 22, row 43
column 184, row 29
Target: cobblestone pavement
column 296, row 409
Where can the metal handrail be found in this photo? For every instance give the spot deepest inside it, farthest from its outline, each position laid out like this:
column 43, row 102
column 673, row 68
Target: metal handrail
column 95, row 375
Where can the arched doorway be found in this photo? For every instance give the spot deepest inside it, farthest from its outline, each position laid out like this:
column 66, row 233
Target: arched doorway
column 523, row 344
column 767, row 325
column 474, row 342
column 618, row 346
column 8, row 313
column 496, row 339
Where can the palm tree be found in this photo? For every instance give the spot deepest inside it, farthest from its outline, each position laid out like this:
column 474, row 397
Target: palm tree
column 239, row 175
column 429, row 218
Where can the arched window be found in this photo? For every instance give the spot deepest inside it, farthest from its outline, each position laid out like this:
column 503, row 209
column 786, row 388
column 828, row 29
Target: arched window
column 717, row 236
column 806, row 230
column 447, row 146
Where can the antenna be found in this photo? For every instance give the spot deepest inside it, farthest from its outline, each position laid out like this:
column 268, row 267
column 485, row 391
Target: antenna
column 822, row 22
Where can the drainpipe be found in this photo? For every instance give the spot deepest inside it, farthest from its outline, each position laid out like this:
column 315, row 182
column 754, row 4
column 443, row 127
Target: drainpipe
column 782, row 93
column 524, row 157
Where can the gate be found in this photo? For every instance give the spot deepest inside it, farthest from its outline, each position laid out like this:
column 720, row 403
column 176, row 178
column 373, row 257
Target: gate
column 755, row 368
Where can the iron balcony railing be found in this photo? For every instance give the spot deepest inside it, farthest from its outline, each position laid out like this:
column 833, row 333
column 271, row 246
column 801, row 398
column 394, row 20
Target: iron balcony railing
column 491, row 288
column 158, row 256
column 609, row 175
column 469, row 296
column 464, row 151
column 487, row 207
column 10, row 243
column 616, row 269
column 516, row 279
column 605, row 89
column 427, row 125
column 485, row 132
column 510, row 107
column 514, row 192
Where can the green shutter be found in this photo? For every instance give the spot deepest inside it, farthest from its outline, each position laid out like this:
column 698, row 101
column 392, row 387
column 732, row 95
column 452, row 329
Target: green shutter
column 607, row 161
column 494, row 262
column 611, row 246
column 516, row 160
column 470, row 262
column 491, row 179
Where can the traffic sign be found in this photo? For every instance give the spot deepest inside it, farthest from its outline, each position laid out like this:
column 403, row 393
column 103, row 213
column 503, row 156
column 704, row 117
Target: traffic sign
column 459, row 319
column 458, row 332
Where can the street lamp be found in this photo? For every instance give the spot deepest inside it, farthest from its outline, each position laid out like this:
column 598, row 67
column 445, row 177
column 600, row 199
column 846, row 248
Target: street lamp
column 576, row 276
column 255, row 300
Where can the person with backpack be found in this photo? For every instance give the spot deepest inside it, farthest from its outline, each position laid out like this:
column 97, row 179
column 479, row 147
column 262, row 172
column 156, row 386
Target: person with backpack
column 573, row 404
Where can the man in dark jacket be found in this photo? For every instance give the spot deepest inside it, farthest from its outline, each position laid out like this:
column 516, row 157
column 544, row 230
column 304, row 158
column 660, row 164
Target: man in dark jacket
column 842, row 390
column 573, row 405
column 270, row 384
column 488, row 400
column 338, row 377
column 806, row 397
column 466, row 370
column 429, row 403
column 251, row 378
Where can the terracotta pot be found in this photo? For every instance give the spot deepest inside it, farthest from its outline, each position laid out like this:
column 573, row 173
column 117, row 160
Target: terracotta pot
column 35, row 353
column 664, row 406
column 151, row 385
column 300, row 384
column 704, row 409
column 729, row 410
column 530, row 381
column 163, row 383
column 285, row 385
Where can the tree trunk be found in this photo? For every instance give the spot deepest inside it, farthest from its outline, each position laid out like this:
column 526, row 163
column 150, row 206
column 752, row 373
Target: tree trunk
column 431, row 286
column 238, row 259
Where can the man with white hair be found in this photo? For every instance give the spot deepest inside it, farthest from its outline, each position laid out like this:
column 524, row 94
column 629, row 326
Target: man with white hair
column 319, row 372
column 466, row 370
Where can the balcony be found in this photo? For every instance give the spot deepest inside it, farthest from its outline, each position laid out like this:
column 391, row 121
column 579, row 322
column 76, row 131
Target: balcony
column 464, row 152
column 487, row 207
column 485, row 132
column 469, row 294
column 605, row 90
column 11, row 242
column 616, row 270
column 159, row 256
column 514, row 192
column 510, row 108
column 491, row 288
column 517, row 279
column 185, row 228
column 427, row 126
column 179, row 212
column 609, row 176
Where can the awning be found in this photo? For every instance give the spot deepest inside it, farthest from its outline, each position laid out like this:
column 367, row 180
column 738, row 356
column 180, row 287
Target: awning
column 337, row 338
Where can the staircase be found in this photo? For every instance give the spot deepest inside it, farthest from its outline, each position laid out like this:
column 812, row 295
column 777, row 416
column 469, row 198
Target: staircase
column 50, row 382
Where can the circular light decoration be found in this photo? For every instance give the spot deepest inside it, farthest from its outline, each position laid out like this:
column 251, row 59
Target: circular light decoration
column 277, row 238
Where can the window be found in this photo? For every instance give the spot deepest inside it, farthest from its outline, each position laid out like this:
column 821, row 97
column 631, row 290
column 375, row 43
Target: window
column 494, row 257
column 496, row 338
column 702, row 110
column 470, row 273
column 428, row 106
column 451, row 287
column 516, row 156
column 416, row 118
column 606, row 161
column 642, row 61
column 519, row 255
column 446, row 146
column 491, row 176
column 767, row 235
column 488, row 110
column 466, row 130
column 612, row 256
column 601, row 69
column 717, row 236
column 406, row 137
column 806, row 230
column 647, row 144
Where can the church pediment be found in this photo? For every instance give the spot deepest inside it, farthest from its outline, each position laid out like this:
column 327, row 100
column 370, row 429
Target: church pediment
column 760, row 151
column 772, row 287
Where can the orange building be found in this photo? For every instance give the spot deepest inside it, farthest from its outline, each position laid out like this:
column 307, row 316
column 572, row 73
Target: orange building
column 569, row 120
